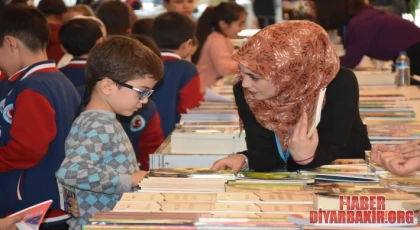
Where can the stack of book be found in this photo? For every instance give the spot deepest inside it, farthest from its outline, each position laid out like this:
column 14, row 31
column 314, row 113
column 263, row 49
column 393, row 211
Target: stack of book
column 204, row 135
column 375, row 78
column 178, row 198
column 186, row 179
column 386, row 107
column 207, row 140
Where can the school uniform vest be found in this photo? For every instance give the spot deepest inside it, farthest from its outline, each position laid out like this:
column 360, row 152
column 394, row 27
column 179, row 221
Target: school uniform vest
column 20, row 189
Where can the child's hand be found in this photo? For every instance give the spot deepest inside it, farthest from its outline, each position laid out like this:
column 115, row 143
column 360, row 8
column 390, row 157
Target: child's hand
column 301, row 147
column 75, row 211
column 137, row 177
column 234, row 162
column 8, row 223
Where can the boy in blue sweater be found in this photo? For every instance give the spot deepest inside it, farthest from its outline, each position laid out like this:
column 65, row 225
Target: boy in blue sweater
column 37, row 106
column 78, row 36
column 180, row 89
column 100, row 161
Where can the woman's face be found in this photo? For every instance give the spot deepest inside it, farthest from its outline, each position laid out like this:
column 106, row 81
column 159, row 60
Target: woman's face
column 258, row 86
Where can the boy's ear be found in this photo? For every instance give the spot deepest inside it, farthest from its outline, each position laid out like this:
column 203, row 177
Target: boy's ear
column 107, row 86
column 10, row 43
column 186, row 45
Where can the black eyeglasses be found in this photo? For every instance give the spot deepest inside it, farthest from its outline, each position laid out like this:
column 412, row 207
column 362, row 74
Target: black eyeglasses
column 143, row 93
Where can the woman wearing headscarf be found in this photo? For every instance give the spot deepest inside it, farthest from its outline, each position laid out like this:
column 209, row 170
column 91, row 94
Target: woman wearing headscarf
column 282, row 70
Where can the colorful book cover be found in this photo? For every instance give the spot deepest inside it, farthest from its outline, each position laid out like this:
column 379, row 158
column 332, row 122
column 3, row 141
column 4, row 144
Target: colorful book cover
column 191, row 173
column 352, row 169
column 66, row 193
column 389, row 179
column 348, row 162
column 262, row 187
column 33, row 216
column 273, row 176
column 388, row 114
column 358, row 190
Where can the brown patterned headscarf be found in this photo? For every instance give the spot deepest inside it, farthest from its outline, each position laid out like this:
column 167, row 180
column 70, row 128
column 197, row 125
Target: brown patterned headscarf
column 299, row 59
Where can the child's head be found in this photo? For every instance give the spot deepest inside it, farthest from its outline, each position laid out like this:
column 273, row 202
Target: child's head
column 143, row 26
column 78, row 10
column 54, row 10
column 116, row 16
column 227, row 18
column 173, row 31
column 148, row 42
column 185, row 7
column 101, row 24
column 121, row 72
column 79, row 35
column 23, row 32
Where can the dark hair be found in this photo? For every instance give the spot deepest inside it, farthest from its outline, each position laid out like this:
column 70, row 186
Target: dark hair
column 195, row 42
column 116, row 16
column 333, row 14
column 209, row 21
column 85, row 10
column 148, row 42
column 78, row 36
column 143, row 26
column 18, row 2
column 122, row 59
column 26, row 24
column 172, row 29
column 52, row 7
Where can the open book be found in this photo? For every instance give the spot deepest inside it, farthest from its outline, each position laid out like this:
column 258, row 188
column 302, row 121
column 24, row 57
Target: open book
column 32, row 216
column 315, row 116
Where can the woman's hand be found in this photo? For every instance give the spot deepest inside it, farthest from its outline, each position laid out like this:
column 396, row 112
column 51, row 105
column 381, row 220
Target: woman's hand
column 377, row 150
column 301, row 147
column 397, row 164
column 235, row 162
column 409, row 149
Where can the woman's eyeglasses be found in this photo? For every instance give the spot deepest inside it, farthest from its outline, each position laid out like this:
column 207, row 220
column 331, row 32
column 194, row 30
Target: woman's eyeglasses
column 143, row 93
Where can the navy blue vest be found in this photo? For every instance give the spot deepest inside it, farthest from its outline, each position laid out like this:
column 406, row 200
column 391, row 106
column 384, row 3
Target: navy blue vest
column 23, row 188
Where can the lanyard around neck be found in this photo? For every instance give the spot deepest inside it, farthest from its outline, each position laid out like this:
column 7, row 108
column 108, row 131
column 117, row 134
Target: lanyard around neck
column 279, row 148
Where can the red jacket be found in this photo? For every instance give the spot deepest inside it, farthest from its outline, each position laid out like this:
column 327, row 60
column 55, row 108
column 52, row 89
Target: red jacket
column 54, row 51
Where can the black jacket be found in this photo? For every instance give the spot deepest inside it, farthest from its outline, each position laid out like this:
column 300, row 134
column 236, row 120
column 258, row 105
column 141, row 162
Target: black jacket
column 341, row 131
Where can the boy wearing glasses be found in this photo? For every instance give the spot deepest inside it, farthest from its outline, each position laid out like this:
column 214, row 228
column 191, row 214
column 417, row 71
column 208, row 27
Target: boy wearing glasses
column 78, row 36
column 100, row 161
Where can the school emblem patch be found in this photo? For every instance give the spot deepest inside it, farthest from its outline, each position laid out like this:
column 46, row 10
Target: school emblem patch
column 8, row 113
column 137, row 123
column 2, row 102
